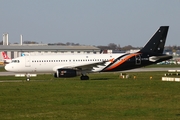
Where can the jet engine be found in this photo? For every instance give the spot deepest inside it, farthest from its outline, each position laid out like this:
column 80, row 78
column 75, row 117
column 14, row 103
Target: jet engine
column 66, row 73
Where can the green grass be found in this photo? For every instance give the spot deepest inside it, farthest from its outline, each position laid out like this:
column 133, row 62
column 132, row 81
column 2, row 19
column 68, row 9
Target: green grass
column 2, row 68
column 104, row 97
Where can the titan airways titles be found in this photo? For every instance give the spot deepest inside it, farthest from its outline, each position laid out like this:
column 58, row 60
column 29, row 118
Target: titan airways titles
column 74, row 65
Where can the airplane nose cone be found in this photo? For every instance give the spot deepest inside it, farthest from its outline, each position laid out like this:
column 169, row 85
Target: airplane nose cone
column 7, row 68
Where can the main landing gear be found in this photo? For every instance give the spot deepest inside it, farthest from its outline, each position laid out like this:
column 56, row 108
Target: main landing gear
column 84, row 77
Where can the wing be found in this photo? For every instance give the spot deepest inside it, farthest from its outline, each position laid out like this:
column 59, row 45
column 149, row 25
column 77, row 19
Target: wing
column 88, row 67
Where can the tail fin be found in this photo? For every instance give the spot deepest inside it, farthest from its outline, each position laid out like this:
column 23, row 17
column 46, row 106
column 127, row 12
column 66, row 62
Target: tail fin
column 156, row 43
column 4, row 55
column 22, row 54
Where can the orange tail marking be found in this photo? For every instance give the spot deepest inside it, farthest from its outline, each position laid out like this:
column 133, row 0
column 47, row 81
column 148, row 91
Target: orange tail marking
column 122, row 61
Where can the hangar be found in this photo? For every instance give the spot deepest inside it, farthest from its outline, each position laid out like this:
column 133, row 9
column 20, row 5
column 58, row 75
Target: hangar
column 15, row 50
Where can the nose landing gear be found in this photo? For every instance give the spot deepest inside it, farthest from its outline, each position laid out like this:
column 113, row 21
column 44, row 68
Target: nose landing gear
column 27, row 77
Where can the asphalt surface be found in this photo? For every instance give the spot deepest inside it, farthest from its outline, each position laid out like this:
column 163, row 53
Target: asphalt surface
column 133, row 70
column 152, row 69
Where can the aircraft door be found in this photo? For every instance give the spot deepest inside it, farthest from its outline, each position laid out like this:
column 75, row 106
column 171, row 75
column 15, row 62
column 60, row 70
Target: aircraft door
column 138, row 60
column 27, row 61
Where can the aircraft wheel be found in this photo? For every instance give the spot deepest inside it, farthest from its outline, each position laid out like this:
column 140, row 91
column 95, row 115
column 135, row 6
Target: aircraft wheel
column 84, row 77
column 27, row 79
column 87, row 77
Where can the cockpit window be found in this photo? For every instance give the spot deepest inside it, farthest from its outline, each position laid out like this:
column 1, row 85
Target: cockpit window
column 15, row 61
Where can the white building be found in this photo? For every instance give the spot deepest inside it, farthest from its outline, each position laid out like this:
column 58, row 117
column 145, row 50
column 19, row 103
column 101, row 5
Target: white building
column 15, row 50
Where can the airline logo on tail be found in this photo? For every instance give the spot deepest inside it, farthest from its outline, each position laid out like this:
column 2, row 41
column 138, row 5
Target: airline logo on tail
column 5, row 58
column 4, row 55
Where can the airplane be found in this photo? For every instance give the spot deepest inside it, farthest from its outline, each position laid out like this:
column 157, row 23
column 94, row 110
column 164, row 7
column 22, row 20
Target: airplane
column 23, row 54
column 74, row 65
column 6, row 59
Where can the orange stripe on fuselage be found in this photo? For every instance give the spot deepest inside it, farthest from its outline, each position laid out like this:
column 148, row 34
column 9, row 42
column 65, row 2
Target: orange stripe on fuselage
column 122, row 61
column 111, row 60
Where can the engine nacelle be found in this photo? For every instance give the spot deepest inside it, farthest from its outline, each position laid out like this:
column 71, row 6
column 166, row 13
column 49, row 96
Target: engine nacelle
column 66, row 73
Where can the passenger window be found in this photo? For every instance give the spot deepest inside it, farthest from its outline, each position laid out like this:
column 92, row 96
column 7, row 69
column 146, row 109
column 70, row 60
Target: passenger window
column 15, row 61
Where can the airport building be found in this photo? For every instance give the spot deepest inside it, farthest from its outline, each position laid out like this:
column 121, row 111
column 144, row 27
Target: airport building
column 16, row 50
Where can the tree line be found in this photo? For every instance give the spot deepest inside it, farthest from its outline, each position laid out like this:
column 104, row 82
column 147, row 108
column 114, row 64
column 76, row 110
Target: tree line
column 110, row 46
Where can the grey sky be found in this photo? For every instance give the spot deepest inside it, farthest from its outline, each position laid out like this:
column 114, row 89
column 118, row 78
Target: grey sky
column 89, row 22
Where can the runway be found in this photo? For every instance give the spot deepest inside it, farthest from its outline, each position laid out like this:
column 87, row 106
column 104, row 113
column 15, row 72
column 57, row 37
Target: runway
column 7, row 74
column 152, row 69
column 133, row 70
